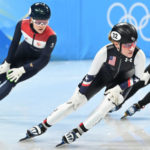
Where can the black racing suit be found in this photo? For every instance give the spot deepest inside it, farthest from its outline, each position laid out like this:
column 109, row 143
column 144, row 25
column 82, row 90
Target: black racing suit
column 33, row 53
column 116, row 69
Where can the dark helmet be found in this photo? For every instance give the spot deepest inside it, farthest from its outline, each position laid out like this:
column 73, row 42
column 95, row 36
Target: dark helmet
column 123, row 33
column 40, row 11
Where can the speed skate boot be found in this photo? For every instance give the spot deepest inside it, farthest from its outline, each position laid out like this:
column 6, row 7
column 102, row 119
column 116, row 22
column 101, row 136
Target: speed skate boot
column 131, row 110
column 35, row 131
column 70, row 137
column 115, row 109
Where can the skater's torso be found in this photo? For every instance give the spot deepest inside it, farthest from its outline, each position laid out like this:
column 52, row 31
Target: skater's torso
column 110, row 68
column 121, row 67
column 34, row 48
column 34, row 44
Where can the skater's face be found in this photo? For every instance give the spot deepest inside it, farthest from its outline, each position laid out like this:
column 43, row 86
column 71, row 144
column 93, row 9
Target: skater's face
column 127, row 49
column 39, row 25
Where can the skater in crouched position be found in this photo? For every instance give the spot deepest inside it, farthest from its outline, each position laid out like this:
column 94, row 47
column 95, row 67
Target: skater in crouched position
column 116, row 66
column 144, row 101
column 26, row 59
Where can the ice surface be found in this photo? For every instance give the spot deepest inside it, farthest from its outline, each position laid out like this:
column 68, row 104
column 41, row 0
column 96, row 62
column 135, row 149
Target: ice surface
column 33, row 100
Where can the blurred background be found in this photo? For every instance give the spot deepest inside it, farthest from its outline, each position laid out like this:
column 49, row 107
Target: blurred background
column 82, row 26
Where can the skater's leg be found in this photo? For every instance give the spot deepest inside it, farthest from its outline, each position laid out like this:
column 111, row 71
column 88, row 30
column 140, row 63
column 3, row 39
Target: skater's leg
column 137, row 106
column 109, row 102
column 144, row 82
column 144, row 101
column 76, row 101
column 2, row 78
column 80, row 97
column 5, row 88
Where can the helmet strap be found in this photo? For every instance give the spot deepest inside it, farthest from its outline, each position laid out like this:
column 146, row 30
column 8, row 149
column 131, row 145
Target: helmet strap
column 120, row 47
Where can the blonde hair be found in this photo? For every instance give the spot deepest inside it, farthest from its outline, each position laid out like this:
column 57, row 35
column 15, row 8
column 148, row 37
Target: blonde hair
column 110, row 39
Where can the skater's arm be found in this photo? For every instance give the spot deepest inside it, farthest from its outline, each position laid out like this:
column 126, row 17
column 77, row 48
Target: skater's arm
column 14, row 44
column 97, row 63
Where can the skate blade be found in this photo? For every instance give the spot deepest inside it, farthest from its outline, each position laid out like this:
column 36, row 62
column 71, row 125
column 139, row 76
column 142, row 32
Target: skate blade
column 24, row 139
column 124, row 117
column 61, row 144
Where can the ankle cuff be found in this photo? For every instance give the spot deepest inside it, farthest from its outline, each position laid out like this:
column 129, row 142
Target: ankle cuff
column 82, row 128
column 46, row 124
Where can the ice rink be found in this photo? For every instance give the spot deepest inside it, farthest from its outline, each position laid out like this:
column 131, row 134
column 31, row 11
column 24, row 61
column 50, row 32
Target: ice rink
column 31, row 101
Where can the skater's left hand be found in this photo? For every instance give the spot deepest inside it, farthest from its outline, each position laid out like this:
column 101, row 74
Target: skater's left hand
column 115, row 90
column 115, row 95
column 14, row 74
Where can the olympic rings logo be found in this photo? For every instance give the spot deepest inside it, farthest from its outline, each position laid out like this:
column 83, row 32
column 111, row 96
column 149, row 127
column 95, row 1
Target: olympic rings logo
column 131, row 19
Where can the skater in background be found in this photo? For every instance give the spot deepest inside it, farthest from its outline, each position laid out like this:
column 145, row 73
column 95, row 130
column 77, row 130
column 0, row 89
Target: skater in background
column 26, row 59
column 144, row 101
column 117, row 66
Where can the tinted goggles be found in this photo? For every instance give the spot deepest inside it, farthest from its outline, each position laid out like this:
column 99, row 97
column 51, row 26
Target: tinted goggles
column 129, row 45
column 40, row 22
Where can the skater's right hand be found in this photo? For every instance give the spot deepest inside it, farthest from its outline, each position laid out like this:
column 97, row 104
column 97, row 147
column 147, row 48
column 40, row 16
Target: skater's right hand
column 114, row 90
column 15, row 73
column 145, row 77
column 4, row 67
column 115, row 95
